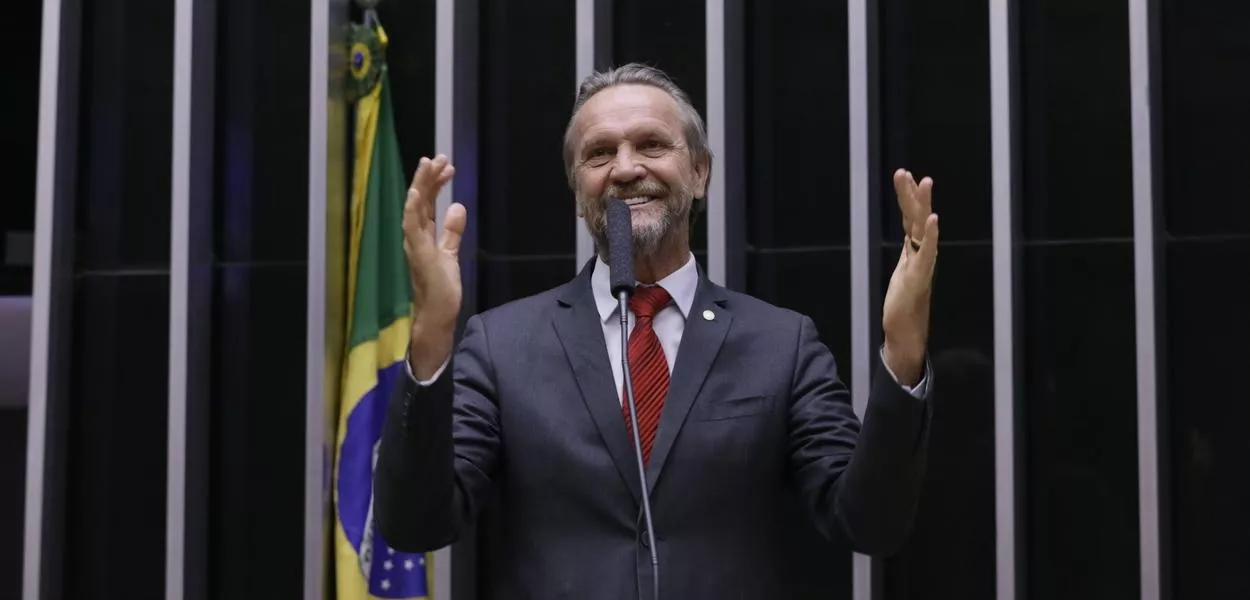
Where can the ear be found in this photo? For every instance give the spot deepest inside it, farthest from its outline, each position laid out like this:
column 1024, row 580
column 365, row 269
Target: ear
column 702, row 172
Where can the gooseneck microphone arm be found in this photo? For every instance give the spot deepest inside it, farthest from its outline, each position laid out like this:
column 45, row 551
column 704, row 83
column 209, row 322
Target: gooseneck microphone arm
column 623, row 303
column 621, row 266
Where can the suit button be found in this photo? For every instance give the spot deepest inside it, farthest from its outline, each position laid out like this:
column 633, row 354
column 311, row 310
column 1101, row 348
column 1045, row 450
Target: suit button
column 646, row 541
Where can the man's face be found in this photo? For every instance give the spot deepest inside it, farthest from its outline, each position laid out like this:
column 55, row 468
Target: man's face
column 628, row 142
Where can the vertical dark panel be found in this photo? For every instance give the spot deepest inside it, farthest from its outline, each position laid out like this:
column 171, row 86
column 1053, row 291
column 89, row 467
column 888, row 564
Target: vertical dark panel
column 262, row 100
column 1207, row 225
column 1207, row 329
column 527, row 238
column 1200, row 43
column 935, row 121
column 676, row 43
column 409, row 60
column 260, row 286
column 115, row 505
column 1078, row 382
column 1074, row 102
column 123, row 215
column 116, row 439
column 19, row 133
column 13, row 478
column 198, row 187
column 796, row 229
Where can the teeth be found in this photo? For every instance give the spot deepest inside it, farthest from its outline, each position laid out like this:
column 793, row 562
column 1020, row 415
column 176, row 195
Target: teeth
column 636, row 201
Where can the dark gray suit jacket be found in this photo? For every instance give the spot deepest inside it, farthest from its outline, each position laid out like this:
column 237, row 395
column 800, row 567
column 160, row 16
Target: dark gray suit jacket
column 526, row 425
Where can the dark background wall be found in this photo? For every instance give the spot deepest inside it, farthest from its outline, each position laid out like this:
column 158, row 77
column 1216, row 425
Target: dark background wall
column 111, row 421
column 1076, row 227
column 1203, row 304
column 19, row 135
column 260, row 249
column 117, row 367
column 935, row 121
column 1075, row 301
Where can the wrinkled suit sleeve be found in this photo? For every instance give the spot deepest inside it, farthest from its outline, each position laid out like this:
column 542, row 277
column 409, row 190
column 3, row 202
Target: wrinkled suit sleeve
column 439, row 450
column 862, row 481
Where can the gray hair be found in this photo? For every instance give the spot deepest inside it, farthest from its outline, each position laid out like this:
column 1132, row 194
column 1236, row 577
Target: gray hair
column 641, row 74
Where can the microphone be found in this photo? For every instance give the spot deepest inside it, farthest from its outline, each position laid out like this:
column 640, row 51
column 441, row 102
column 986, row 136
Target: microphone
column 621, row 266
column 620, row 247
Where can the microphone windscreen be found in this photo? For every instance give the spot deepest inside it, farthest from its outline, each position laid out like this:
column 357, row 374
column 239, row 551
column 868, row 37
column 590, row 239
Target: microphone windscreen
column 620, row 246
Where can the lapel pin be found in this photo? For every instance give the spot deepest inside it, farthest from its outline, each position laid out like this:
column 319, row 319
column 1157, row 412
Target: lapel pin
column 708, row 315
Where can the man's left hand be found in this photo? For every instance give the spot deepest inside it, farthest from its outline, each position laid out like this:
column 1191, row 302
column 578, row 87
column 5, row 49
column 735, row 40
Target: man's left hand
column 905, row 316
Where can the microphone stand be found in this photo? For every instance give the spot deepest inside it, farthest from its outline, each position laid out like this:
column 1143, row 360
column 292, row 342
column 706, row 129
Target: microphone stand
column 623, row 303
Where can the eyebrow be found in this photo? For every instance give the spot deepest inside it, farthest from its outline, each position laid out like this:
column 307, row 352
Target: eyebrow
column 597, row 139
column 590, row 142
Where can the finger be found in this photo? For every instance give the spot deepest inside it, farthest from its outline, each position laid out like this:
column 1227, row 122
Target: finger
column 924, row 207
column 416, row 176
column 441, row 172
column 453, row 227
column 904, row 189
column 443, row 177
column 447, row 173
column 420, row 200
column 929, row 247
column 430, row 184
column 436, row 188
column 914, row 216
column 415, row 223
column 924, row 195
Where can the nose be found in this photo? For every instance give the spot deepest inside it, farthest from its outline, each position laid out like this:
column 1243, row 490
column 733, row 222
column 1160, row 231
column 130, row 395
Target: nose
column 625, row 169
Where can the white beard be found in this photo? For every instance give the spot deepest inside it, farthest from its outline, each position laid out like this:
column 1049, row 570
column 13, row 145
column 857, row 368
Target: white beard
column 653, row 225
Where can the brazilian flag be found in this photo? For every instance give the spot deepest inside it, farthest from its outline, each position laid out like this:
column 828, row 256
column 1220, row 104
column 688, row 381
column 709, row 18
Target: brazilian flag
column 378, row 313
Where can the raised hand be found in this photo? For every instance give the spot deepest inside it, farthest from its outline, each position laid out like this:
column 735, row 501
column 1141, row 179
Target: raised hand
column 433, row 265
column 905, row 314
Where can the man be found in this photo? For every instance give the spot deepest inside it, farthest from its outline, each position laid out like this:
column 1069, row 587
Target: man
column 741, row 411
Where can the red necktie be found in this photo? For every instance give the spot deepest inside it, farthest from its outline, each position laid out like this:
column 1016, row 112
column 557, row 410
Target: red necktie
column 648, row 367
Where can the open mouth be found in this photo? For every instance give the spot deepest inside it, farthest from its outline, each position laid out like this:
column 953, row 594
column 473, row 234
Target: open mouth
column 632, row 202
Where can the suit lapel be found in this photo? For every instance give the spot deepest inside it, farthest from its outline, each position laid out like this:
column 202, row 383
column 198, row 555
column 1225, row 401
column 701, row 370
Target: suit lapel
column 581, row 334
column 700, row 343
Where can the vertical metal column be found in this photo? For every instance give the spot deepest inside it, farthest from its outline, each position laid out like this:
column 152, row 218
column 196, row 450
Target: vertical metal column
column 456, row 135
column 445, row 94
column 178, row 265
column 1003, row 159
column 865, row 228
column 726, row 125
column 456, row 125
column 1144, row 267
column 52, row 291
column 593, row 20
column 190, row 300
column 714, row 18
column 318, row 450
column 444, row 142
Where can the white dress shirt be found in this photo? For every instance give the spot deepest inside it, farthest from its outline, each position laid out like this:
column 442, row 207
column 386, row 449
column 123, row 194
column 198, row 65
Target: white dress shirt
column 669, row 323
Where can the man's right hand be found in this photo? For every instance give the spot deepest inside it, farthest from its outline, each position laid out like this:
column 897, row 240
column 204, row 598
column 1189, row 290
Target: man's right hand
column 433, row 265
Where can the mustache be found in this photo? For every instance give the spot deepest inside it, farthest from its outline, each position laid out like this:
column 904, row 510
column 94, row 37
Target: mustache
column 646, row 188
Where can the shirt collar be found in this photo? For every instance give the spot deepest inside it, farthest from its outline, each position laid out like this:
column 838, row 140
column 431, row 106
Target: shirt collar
column 680, row 284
